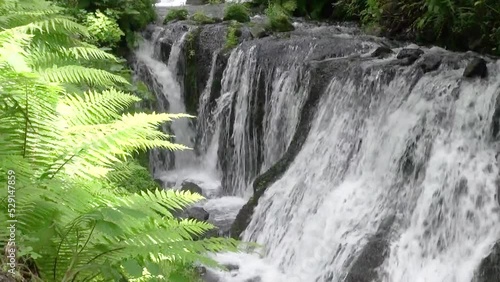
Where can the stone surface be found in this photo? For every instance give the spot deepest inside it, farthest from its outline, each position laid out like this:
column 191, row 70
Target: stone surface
column 191, row 187
column 197, row 213
column 409, row 55
column 382, row 52
column 430, row 62
column 489, row 269
column 364, row 268
column 476, row 68
column 160, row 182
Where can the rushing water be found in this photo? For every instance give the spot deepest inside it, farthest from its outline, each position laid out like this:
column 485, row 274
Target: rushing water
column 389, row 148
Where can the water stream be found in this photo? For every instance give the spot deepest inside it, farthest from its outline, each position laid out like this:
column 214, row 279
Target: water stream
column 392, row 154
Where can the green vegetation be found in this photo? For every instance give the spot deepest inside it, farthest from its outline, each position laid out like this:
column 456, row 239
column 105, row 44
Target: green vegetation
column 131, row 16
column 201, row 18
column 85, row 210
column 237, row 12
column 215, row 1
column 278, row 18
column 233, row 34
column 458, row 25
column 176, row 15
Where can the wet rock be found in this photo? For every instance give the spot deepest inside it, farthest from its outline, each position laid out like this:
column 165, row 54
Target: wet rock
column 495, row 124
column 165, row 49
column 191, row 187
column 364, row 268
column 231, row 267
column 408, row 56
column 160, row 182
column 195, row 2
column 430, row 63
column 197, row 213
column 476, row 68
column 489, row 269
column 382, row 52
column 259, row 31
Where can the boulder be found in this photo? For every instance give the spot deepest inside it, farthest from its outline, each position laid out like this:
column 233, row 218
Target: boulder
column 430, row 63
column 489, row 269
column 160, row 182
column 259, row 31
column 408, row 56
column 191, row 187
column 195, row 2
column 197, row 213
column 476, row 68
column 382, row 52
column 364, row 268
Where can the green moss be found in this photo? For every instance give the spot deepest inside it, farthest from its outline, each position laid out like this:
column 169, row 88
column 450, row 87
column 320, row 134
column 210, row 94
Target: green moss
column 237, row 12
column 278, row 19
column 201, row 18
column 176, row 15
column 191, row 87
column 232, row 36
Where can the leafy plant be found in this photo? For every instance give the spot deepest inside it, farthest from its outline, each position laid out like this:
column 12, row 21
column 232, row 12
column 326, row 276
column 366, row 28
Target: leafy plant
column 104, row 29
column 65, row 143
column 201, row 18
column 237, row 12
column 279, row 19
column 176, row 15
column 232, row 36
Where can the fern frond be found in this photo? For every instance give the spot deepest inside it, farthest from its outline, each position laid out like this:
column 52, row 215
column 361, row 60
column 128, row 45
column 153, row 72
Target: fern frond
column 79, row 74
column 95, row 108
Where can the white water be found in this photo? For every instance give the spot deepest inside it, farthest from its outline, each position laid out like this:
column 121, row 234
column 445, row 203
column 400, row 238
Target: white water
column 285, row 93
column 376, row 149
column 319, row 215
column 168, row 86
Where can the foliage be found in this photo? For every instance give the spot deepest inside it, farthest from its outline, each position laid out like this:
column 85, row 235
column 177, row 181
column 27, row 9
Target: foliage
column 215, row 1
column 201, row 18
column 132, row 178
column 232, row 35
column 176, row 15
column 65, row 144
column 237, row 12
column 279, row 18
column 454, row 24
column 104, row 29
column 131, row 15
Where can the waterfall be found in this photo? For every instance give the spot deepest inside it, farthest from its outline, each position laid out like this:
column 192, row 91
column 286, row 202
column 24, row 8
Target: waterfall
column 168, row 91
column 375, row 168
column 388, row 145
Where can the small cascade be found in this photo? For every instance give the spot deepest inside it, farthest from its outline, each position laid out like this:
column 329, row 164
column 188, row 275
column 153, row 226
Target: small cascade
column 168, row 91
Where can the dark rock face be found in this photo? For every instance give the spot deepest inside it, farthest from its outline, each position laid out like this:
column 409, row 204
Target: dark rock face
column 197, row 213
column 195, row 2
column 160, row 182
column 364, row 268
column 489, row 269
column 382, row 52
column 191, row 187
column 430, row 62
column 476, row 68
column 409, row 55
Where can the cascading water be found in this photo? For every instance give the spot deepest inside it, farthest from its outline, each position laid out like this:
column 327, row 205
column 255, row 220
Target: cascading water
column 168, row 91
column 396, row 174
column 382, row 147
